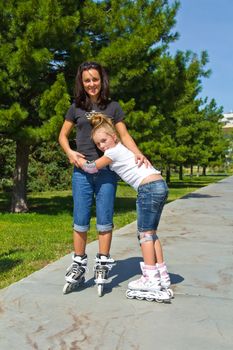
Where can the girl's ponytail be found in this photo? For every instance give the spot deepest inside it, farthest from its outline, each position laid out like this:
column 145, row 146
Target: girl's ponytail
column 100, row 120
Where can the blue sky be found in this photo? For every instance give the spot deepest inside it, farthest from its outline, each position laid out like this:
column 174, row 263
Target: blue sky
column 208, row 25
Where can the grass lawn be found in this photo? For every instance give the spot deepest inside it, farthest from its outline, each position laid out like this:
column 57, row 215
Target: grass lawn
column 32, row 240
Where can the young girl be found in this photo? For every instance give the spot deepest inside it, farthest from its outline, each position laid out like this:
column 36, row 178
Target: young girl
column 152, row 194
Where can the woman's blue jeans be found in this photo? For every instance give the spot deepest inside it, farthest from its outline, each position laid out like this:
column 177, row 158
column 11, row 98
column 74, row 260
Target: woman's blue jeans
column 87, row 187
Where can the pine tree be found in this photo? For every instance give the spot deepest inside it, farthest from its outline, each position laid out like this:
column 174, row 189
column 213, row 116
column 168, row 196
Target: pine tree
column 33, row 42
column 214, row 144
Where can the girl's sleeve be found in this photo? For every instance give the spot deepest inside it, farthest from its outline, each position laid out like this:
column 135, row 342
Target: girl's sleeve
column 110, row 153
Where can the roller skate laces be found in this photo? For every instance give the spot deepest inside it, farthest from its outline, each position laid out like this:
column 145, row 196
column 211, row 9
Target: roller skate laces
column 103, row 264
column 76, row 271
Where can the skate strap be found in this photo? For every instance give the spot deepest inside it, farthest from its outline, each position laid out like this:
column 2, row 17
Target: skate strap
column 109, row 266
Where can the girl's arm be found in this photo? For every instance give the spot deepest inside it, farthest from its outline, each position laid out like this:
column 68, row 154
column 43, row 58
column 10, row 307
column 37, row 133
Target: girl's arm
column 94, row 166
column 128, row 141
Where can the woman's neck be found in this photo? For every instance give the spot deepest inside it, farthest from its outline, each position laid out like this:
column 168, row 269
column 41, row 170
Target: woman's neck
column 94, row 99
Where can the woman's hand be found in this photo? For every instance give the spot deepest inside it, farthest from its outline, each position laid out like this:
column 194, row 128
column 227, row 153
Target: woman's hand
column 81, row 162
column 75, row 157
column 141, row 159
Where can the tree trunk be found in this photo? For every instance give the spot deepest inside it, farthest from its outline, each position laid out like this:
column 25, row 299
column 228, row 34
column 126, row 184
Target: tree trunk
column 204, row 170
column 191, row 170
column 168, row 175
column 181, row 172
column 19, row 193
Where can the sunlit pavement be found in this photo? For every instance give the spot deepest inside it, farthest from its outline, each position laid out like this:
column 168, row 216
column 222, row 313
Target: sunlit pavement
column 197, row 235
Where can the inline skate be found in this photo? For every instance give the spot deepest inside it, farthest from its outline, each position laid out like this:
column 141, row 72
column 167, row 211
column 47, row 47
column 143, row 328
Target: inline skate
column 148, row 287
column 165, row 278
column 103, row 264
column 75, row 274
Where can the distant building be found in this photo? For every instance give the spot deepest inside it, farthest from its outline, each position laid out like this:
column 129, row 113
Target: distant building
column 227, row 121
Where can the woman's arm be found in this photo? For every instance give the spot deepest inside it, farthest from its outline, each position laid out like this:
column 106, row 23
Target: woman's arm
column 64, row 142
column 128, row 141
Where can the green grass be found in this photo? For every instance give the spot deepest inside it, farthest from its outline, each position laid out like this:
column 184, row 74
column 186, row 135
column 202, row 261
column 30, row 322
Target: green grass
column 32, row 240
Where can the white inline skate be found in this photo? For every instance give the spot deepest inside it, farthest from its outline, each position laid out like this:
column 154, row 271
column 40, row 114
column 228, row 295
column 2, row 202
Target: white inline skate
column 103, row 264
column 147, row 288
column 75, row 274
column 165, row 279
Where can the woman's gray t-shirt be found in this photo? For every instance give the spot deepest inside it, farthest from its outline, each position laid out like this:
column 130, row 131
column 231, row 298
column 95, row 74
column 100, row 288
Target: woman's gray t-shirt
column 80, row 118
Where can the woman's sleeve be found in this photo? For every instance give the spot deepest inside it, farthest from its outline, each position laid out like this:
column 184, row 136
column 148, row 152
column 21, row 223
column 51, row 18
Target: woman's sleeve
column 70, row 115
column 118, row 113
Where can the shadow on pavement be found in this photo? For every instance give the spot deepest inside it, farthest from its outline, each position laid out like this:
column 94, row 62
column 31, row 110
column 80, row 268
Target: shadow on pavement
column 123, row 271
column 197, row 195
column 175, row 278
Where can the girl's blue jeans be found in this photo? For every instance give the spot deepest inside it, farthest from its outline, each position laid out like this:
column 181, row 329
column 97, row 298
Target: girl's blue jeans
column 150, row 202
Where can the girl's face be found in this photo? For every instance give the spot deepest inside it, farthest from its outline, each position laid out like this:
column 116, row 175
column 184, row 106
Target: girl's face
column 104, row 140
column 92, row 83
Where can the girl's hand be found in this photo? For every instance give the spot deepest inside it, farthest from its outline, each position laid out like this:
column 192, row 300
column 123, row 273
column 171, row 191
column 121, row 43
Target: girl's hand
column 75, row 157
column 141, row 159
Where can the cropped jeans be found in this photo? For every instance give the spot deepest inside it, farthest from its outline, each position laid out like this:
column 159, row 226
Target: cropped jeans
column 87, row 187
column 150, row 202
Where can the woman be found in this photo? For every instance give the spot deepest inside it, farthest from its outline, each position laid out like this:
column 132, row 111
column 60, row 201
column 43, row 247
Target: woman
column 91, row 96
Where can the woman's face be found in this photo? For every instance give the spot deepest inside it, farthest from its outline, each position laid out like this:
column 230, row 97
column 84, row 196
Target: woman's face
column 92, row 83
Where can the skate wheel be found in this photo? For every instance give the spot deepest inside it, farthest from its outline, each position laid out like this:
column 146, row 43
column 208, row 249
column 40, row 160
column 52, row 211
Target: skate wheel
column 67, row 288
column 149, row 299
column 170, row 293
column 139, row 298
column 100, row 288
column 128, row 295
column 159, row 300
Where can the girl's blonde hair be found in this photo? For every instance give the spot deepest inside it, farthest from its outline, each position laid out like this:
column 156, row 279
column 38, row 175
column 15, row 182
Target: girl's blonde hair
column 100, row 120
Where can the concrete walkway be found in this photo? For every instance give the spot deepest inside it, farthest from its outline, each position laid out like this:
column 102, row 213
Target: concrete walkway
column 197, row 234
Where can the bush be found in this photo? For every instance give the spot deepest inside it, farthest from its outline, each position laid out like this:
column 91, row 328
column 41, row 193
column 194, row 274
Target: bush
column 48, row 169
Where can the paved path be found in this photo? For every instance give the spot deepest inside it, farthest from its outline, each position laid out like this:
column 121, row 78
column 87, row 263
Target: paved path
column 197, row 234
